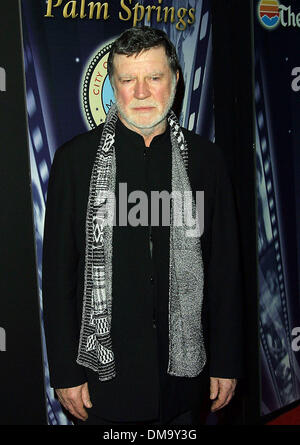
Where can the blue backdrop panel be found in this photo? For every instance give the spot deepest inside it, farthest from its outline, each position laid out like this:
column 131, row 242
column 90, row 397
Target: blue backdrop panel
column 277, row 39
column 62, row 57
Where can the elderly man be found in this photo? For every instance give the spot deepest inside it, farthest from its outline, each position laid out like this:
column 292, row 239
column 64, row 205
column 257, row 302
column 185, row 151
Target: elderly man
column 140, row 317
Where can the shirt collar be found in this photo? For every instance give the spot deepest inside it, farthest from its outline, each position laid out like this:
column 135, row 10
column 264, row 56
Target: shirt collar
column 136, row 140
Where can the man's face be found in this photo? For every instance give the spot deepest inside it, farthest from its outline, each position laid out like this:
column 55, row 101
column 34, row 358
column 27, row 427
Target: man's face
column 144, row 87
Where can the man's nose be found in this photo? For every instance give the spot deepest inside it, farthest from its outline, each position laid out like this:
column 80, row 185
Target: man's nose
column 141, row 89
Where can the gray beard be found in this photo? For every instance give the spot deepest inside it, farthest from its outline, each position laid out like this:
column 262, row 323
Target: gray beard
column 147, row 130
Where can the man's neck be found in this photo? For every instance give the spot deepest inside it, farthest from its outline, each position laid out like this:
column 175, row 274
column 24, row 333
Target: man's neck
column 148, row 134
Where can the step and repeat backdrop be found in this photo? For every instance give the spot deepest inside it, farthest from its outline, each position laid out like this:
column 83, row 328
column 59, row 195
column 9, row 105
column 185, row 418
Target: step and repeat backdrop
column 66, row 45
column 277, row 103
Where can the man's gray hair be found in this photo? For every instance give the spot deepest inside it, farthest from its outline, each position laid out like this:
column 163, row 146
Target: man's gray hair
column 135, row 40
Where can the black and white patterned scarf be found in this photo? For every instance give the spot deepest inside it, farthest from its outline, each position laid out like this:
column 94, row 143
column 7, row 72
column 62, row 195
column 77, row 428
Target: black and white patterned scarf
column 187, row 355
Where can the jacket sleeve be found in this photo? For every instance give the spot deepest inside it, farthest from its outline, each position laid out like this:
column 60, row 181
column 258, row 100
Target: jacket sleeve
column 225, row 297
column 60, row 261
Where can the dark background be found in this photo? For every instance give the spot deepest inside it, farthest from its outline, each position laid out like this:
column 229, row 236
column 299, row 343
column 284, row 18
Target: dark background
column 21, row 366
column 234, row 129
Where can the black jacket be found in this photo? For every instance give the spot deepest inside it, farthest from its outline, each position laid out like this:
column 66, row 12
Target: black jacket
column 142, row 389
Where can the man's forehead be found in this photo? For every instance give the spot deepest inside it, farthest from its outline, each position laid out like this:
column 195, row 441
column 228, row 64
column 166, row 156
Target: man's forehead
column 158, row 54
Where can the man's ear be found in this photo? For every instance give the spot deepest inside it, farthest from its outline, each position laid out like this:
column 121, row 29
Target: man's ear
column 112, row 83
column 177, row 76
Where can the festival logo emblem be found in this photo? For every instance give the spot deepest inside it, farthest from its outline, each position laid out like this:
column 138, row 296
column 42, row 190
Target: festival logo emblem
column 268, row 13
column 97, row 92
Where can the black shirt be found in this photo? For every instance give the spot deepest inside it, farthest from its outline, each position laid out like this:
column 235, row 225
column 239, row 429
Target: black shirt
column 142, row 389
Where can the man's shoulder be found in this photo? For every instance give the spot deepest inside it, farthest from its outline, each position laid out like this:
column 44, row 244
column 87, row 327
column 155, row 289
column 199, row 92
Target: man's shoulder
column 81, row 145
column 201, row 148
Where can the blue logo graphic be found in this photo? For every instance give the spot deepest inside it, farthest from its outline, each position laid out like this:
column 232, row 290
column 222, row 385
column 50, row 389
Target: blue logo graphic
column 108, row 97
column 268, row 13
column 270, row 22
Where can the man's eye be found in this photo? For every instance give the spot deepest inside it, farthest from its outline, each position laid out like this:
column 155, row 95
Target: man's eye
column 155, row 78
column 126, row 80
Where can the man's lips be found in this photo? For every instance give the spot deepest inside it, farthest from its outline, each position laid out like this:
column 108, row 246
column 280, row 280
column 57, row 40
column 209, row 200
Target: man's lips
column 142, row 109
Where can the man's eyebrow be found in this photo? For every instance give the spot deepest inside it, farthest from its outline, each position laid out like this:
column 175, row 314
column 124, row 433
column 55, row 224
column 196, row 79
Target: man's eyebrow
column 154, row 73
column 125, row 75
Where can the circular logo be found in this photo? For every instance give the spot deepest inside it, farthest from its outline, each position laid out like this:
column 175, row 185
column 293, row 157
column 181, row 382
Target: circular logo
column 268, row 13
column 97, row 92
